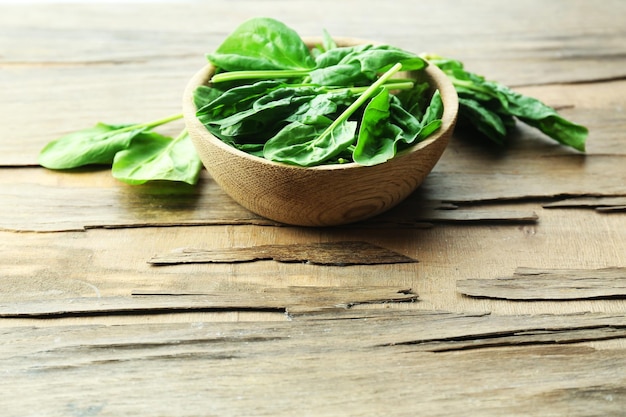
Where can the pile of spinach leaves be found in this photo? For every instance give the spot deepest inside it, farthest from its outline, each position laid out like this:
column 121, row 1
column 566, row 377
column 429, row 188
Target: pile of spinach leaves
column 274, row 97
column 492, row 108
column 135, row 152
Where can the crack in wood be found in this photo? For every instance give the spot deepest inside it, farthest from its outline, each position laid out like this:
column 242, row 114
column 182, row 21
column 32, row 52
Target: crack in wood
column 530, row 337
column 600, row 204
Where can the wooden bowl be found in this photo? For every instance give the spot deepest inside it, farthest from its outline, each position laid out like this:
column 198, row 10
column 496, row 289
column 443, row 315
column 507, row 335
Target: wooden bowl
column 324, row 195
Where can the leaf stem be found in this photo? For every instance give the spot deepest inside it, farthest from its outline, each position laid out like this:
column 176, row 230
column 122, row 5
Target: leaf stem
column 261, row 74
column 150, row 125
column 401, row 85
column 470, row 85
column 370, row 91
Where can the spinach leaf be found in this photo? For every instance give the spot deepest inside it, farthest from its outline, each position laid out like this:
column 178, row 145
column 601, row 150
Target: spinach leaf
column 203, row 95
column 387, row 127
column 355, row 65
column 309, row 145
column 260, row 115
column 486, row 121
column 415, row 99
column 156, row 157
column 535, row 113
column 95, row 145
column 262, row 44
column 232, row 100
column 292, row 144
column 377, row 136
column 432, row 117
column 328, row 42
column 326, row 104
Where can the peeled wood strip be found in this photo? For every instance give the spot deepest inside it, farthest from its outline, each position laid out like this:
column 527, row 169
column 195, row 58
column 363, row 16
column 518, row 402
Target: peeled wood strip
column 326, row 253
column 536, row 284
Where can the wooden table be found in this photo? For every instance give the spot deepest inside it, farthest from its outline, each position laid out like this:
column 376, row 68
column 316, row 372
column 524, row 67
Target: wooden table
column 515, row 305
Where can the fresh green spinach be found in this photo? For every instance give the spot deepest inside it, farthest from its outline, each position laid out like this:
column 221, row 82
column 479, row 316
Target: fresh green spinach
column 135, row 152
column 94, row 145
column 308, row 145
column 309, row 114
column 157, row 157
column 262, row 44
column 273, row 97
column 491, row 108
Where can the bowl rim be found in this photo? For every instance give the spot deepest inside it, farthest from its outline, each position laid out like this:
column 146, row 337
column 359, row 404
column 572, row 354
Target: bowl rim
column 443, row 83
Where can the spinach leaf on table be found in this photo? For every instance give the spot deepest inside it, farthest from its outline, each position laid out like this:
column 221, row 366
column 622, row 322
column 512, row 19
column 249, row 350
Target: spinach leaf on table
column 486, row 121
column 135, row 152
column 92, row 146
column 157, row 157
column 543, row 117
column 491, row 108
column 96, row 145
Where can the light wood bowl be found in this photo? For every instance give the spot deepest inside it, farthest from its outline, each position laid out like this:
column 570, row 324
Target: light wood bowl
column 326, row 195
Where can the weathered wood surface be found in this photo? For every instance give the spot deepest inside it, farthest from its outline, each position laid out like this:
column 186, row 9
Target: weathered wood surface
column 429, row 363
column 55, row 202
column 90, row 327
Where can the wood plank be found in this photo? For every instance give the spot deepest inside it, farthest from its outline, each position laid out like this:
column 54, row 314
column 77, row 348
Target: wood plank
column 534, row 284
column 275, row 368
column 45, row 201
column 563, row 176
